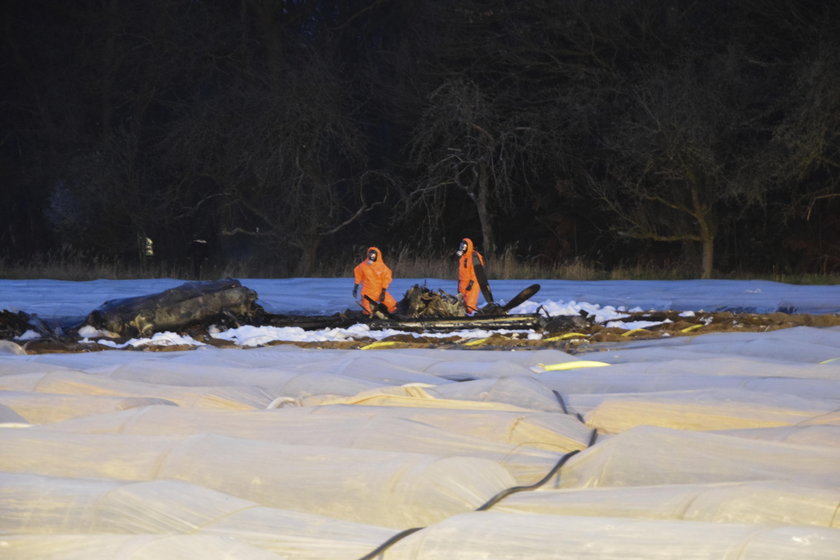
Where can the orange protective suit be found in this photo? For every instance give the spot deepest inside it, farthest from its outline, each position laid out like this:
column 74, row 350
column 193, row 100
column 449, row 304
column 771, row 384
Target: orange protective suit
column 375, row 277
column 467, row 280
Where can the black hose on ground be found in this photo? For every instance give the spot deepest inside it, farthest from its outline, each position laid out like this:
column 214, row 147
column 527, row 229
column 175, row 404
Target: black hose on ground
column 492, row 501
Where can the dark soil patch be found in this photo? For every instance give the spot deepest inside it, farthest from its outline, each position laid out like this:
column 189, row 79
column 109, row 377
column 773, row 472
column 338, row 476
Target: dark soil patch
column 570, row 336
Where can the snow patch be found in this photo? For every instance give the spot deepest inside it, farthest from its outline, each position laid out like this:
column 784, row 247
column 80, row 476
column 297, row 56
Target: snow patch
column 251, row 336
column 28, row 335
column 158, row 339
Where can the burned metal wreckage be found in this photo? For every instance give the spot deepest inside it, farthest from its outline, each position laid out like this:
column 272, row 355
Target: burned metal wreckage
column 198, row 305
column 196, row 308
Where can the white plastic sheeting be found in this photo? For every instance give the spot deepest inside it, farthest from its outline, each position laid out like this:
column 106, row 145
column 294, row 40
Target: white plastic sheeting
column 703, row 409
column 715, row 446
column 118, row 546
column 502, row 535
column 769, row 502
column 99, row 507
column 339, row 482
column 646, row 456
column 526, row 443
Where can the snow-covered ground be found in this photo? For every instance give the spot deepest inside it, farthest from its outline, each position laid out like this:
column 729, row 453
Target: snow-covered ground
column 605, row 300
column 55, row 298
column 712, row 446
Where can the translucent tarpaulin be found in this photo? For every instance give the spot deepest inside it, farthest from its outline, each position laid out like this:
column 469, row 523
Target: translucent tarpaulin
column 526, row 443
column 826, row 435
column 646, row 456
column 388, row 488
column 504, row 535
column 62, row 506
column 702, row 409
column 38, row 408
column 769, row 502
column 706, row 447
column 112, row 546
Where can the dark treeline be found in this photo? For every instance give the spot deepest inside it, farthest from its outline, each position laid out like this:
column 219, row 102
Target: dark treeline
column 698, row 134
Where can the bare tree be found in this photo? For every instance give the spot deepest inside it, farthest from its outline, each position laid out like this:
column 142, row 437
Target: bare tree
column 109, row 188
column 810, row 134
column 677, row 158
column 466, row 141
column 109, row 196
column 286, row 159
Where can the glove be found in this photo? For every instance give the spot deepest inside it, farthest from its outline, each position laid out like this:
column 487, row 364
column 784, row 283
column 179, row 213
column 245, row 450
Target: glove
column 382, row 296
column 470, row 285
column 355, row 290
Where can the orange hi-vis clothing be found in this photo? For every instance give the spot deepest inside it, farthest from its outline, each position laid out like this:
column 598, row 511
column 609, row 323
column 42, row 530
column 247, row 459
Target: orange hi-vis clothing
column 375, row 277
column 467, row 280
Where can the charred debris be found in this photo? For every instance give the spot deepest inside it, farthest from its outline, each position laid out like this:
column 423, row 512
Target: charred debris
column 196, row 306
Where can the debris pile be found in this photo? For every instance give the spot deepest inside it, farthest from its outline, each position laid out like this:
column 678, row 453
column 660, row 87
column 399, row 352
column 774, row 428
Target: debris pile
column 194, row 309
column 420, row 301
column 13, row 325
column 189, row 304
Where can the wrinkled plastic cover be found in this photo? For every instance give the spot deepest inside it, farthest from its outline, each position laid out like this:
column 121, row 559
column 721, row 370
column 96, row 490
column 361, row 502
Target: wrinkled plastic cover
column 715, row 446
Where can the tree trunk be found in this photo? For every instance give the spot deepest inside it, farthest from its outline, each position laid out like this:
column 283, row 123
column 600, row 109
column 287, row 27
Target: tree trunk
column 707, row 238
column 482, row 206
column 708, row 256
column 702, row 214
column 309, row 256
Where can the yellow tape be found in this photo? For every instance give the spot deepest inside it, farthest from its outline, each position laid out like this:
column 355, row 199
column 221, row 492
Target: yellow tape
column 475, row 342
column 828, row 361
column 573, row 365
column 379, row 344
column 633, row 331
column 691, row 328
column 565, row 336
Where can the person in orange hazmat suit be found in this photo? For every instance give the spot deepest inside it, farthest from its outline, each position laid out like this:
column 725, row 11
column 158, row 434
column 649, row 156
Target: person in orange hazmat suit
column 469, row 284
column 375, row 277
